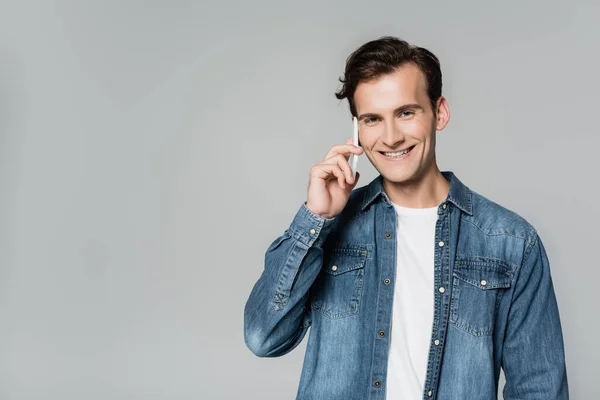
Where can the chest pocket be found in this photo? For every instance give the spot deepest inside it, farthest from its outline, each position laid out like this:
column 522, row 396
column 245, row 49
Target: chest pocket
column 337, row 291
column 478, row 286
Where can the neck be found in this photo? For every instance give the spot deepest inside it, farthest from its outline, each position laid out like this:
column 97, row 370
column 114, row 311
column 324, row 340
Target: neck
column 428, row 190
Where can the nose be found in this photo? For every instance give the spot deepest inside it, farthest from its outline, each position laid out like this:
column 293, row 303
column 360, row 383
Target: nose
column 392, row 135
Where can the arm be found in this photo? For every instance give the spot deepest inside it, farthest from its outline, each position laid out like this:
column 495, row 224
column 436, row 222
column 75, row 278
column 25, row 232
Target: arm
column 533, row 352
column 275, row 317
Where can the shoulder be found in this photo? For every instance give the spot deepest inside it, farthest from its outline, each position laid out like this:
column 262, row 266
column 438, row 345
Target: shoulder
column 493, row 218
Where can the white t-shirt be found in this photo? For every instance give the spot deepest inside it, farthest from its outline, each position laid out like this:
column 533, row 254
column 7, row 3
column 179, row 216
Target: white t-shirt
column 412, row 316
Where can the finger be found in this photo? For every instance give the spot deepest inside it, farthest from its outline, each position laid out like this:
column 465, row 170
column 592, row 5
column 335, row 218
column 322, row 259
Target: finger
column 345, row 149
column 352, row 185
column 346, row 168
column 326, row 171
column 339, row 174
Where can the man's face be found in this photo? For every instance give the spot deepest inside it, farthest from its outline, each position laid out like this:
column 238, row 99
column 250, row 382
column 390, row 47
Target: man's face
column 394, row 114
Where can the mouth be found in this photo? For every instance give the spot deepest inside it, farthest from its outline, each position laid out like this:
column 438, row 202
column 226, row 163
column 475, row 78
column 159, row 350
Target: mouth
column 399, row 155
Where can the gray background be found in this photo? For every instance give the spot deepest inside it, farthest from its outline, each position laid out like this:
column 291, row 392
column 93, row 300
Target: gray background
column 151, row 150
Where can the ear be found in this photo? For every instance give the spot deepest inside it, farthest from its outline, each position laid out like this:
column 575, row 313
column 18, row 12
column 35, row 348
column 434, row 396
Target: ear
column 442, row 114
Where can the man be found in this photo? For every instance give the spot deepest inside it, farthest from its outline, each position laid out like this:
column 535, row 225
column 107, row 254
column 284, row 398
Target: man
column 414, row 286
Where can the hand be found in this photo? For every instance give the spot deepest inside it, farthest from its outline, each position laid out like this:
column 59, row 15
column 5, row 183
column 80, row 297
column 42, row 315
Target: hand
column 331, row 181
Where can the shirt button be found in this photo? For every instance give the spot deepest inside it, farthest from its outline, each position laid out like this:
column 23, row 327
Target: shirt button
column 444, row 206
column 312, row 231
column 483, row 282
column 334, row 268
column 441, row 244
column 436, row 342
column 377, row 383
column 386, row 281
column 381, row 333
column 429, row 393
column 442, row 290
column 388, row 235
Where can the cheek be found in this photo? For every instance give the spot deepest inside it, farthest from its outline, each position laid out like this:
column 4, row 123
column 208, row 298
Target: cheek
column 417, row 128
column 367, row 137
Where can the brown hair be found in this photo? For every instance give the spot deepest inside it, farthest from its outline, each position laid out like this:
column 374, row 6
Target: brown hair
column 384, row 56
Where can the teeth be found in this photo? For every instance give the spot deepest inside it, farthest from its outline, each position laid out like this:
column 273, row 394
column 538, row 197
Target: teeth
column 398, row 154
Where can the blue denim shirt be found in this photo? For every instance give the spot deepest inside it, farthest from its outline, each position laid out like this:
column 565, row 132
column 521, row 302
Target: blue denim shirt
column 494, row 306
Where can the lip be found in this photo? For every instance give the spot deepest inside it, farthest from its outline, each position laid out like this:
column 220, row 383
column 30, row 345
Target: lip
column 404, row 157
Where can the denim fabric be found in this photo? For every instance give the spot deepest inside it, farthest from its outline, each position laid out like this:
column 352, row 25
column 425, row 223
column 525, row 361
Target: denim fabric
column 494, row 302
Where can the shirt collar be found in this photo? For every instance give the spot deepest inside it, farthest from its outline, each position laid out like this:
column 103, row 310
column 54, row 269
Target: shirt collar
column 459, row 194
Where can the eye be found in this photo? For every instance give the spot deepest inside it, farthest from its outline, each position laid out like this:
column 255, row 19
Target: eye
column 371, row 119
column 406, row 113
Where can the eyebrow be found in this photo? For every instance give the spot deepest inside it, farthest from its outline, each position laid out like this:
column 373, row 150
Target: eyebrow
column 396, row 111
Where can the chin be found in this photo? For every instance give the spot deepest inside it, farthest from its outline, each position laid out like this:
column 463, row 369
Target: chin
column 400, row 176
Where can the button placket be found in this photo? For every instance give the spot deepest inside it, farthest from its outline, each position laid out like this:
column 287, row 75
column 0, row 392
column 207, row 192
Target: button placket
column 436, row 350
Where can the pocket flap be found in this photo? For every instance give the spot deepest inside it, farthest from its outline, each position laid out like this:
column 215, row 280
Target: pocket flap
column 484, row 273
column 345, row 258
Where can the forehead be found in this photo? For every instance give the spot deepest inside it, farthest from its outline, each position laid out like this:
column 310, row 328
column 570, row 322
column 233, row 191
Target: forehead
column 403, row 86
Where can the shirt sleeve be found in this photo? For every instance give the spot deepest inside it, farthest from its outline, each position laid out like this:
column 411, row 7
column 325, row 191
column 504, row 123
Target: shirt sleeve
column 275, row 316
column 533, row 357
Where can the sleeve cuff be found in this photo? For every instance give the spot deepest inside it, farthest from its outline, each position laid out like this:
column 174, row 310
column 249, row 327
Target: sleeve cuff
column 309, row 228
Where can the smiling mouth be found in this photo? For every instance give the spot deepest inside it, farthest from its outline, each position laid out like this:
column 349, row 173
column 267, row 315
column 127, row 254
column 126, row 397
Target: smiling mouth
column 397, row 154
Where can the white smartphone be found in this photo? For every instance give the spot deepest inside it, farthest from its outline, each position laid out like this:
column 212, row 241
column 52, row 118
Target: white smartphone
column 353, row 161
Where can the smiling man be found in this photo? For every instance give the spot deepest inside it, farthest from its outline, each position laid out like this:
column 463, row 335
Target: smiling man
column 413, row 286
